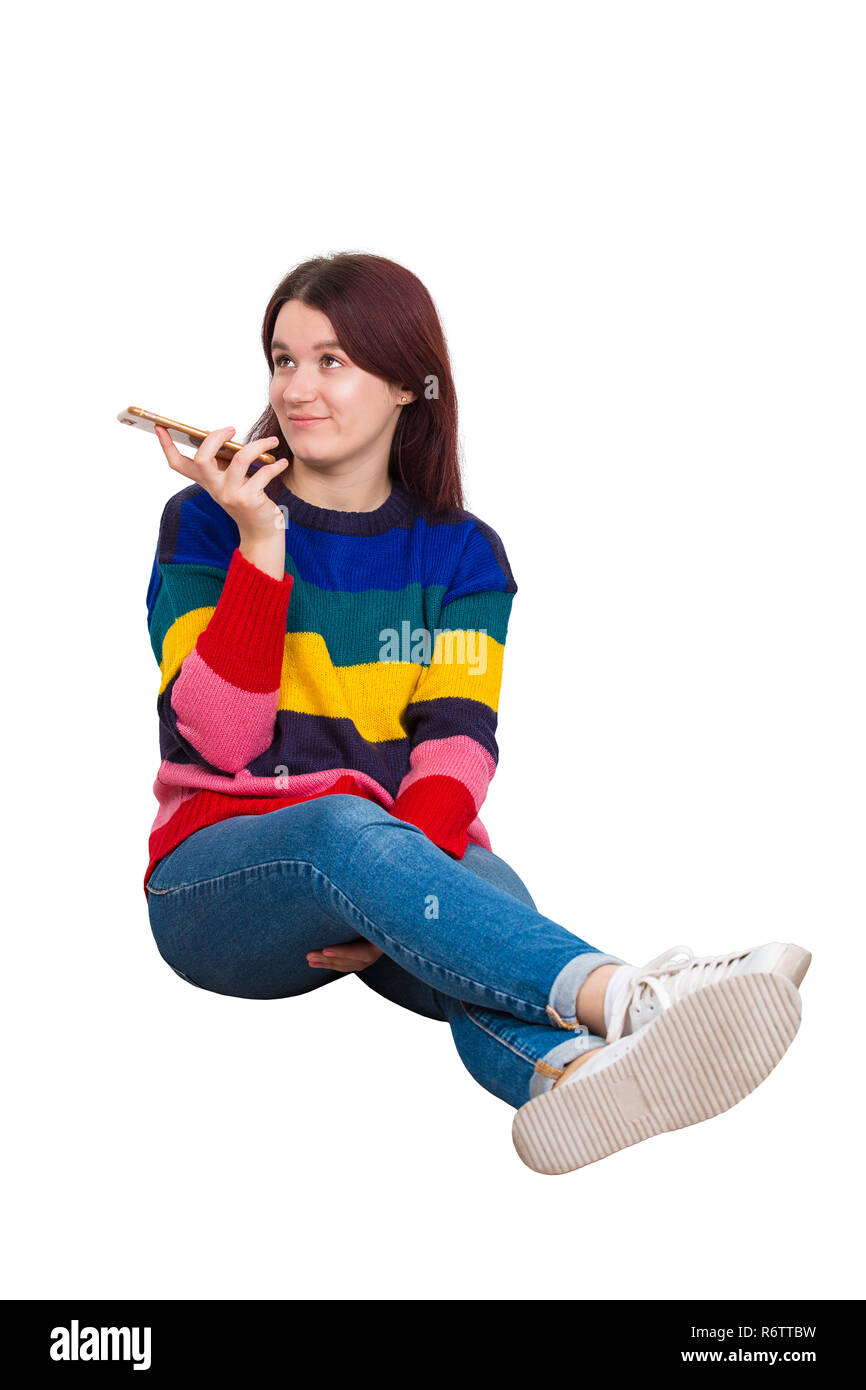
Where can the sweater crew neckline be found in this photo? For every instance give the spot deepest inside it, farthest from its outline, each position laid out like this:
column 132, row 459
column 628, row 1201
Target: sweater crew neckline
column 396, row 510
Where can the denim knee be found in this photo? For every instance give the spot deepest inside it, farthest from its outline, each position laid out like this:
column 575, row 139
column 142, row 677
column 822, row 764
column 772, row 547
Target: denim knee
column 346, row 811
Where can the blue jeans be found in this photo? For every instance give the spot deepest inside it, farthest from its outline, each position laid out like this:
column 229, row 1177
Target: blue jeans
column 236, row 907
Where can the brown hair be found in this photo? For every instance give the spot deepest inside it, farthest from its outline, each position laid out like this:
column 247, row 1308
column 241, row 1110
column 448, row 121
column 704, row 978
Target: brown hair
column 388, row 324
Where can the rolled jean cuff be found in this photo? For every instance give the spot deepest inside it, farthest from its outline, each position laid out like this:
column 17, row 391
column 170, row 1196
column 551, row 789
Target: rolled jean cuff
column 562, row 1005
column 550, row 1068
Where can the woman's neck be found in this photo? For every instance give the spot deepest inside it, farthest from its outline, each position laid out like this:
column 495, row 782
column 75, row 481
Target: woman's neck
column 358, row 491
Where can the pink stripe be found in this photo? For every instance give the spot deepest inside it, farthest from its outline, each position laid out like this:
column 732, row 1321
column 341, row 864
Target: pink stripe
column 228, row 726
column 460, row 757
column 245, row 784
column 169, row 798
column 172, row 788
column 478, row 835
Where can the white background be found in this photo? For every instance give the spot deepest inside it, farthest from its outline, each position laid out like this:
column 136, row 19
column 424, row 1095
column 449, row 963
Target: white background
column 643, row 227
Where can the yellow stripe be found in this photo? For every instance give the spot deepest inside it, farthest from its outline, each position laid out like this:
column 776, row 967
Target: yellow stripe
column 180, row 640
column 449, row 675
column 371, row 694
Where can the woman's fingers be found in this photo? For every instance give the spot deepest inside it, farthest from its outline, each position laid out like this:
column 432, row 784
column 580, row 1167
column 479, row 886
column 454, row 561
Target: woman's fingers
column 205, row 464
column 337, row 962
column 181, row 463
column 340, row 963
column 352, row 950
column 236, row 470
column 197, row 467
column 243, row 498
column 353, row 955
column 265, row 473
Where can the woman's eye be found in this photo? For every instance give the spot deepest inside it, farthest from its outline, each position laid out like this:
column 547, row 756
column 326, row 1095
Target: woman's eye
column 328, row 357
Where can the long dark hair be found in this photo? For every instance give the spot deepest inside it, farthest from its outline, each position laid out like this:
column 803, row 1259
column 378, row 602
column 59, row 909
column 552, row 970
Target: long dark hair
column 388, row 324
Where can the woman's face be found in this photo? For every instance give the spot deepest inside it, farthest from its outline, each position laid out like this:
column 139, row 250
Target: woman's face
column 353, row 414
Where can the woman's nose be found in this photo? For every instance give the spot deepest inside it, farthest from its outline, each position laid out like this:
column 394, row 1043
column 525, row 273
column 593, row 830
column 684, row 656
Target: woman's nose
column 302, row 386
column 297, row 395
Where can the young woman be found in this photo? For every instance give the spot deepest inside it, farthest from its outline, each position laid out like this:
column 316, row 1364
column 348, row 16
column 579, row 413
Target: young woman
column 330, row 632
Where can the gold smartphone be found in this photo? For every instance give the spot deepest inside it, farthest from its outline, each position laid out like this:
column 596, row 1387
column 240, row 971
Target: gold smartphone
column 182, row 434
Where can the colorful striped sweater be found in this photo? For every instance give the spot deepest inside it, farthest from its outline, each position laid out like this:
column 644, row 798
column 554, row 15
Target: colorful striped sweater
column 373, row 667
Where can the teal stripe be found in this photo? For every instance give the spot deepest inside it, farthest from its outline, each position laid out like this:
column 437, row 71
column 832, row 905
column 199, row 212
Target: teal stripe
column 477, row 612
column 349, row 622
column 183, row 588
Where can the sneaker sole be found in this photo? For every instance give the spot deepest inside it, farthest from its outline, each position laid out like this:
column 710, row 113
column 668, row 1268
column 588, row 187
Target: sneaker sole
column 698, row 1058
column 794, row 964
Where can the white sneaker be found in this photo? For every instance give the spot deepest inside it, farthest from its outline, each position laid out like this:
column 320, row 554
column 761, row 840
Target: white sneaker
column 698, row 1056
column 657, row 984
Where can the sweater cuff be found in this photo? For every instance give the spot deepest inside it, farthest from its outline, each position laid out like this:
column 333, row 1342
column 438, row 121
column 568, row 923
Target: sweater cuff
column 245, row 639
column 442, row 808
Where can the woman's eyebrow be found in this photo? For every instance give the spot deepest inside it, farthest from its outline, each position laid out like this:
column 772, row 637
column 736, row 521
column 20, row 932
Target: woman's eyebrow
column 316, row 346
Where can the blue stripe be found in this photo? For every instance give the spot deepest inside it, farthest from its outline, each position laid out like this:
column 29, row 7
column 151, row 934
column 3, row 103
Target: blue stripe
column 425, row 553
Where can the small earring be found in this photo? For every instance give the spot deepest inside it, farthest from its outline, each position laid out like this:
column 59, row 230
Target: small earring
column 402, row 398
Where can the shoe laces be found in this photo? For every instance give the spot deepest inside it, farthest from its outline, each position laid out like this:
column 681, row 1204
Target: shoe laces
column 667, row 979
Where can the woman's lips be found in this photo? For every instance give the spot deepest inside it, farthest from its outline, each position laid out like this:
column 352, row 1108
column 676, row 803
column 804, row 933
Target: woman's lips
column 303, row 422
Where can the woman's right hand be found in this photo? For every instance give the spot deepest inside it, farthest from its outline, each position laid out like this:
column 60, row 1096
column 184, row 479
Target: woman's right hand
column 258, row 519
